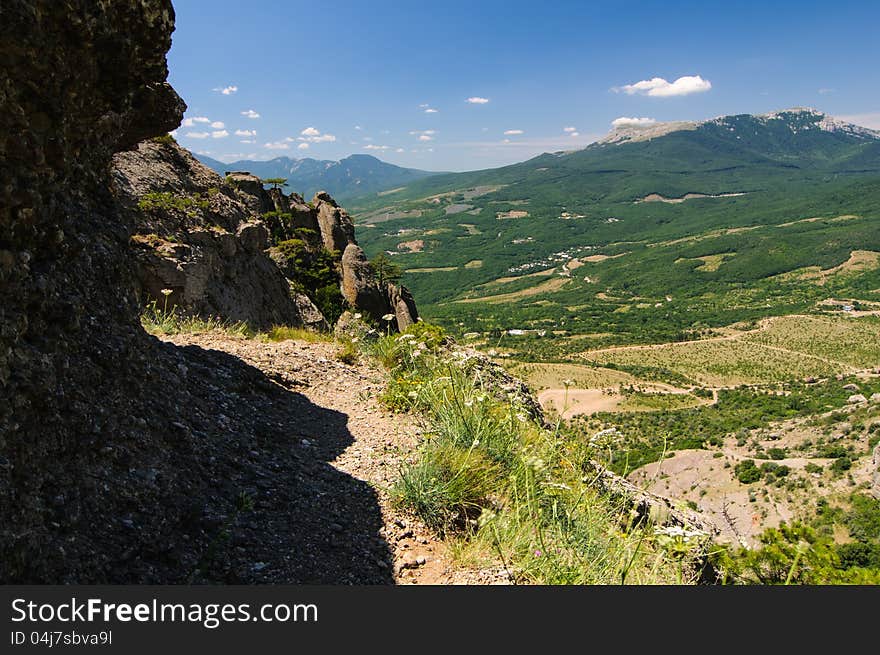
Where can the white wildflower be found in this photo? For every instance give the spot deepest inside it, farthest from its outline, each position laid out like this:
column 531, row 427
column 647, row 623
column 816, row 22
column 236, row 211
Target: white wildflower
column 167, row 292
column 388, row 317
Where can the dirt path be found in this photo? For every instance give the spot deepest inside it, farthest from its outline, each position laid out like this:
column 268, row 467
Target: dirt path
column 375, row 443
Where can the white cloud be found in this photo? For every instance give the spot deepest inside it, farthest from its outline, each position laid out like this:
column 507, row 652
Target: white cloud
column 245, row 133
column 477, row 100
column 173, row 133
column 825, row 91
column 248, row 141
column 219, row 134
column 358, row 127
column 373, row 146
column 277, row 145
column 423, row 132
column 658, row 87
column 324, row 138
column 191, row 122
column 313, row 135
column 431, row 110
column 218, row 125
column 250, row 113
column 368, row 138
column 569, row 129
column 512, row 132
column 399, row 150
column 303, row 146
column 198, row 135
column 425, row 137
column 573, row 134
column 227, row 90
column 423, row 105
column 626, row 121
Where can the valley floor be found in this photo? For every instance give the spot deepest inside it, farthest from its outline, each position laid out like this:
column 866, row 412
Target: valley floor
column 365, row 442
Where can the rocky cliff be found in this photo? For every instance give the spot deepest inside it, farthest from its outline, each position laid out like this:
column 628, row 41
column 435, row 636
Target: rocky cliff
column 122, row 458
column 228, row 247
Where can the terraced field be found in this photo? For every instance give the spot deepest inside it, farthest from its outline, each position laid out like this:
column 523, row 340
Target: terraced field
column 792, row 349
column 851, row 341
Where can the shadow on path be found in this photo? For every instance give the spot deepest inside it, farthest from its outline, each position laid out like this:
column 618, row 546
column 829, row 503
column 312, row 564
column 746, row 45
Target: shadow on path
column 294, row 518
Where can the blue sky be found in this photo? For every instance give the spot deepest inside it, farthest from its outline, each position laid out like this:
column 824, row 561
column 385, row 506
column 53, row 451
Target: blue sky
column 436, row 85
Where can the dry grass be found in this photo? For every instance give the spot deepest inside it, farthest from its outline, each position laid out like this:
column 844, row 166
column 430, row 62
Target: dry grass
column 545, row 287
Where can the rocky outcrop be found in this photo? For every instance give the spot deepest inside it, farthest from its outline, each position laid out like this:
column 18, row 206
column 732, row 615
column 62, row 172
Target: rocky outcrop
column 402, row 305
column 385, row 304
column 359, row 285
column 203, row 237
column 214, row 243
column 336, row 226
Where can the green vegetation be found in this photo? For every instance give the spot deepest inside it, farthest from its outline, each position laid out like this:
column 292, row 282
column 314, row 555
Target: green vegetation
column 167, row 321
column 747, row 472
column 386, row 271
column 276, row 182
column 796, row 554
column 809, row 554
column 649, row 272
column 167, row 201
column 503, row 488
column 164, row 139
column 314, row 273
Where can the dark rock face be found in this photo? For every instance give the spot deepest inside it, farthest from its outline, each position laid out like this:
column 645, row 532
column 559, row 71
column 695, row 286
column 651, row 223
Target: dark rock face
column 77, row 83
column 122, row 458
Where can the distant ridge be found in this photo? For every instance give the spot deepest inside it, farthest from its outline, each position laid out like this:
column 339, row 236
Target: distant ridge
column 794, row 117
column 356, row 175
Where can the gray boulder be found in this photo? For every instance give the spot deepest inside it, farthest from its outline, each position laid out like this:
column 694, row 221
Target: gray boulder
column 334, row 223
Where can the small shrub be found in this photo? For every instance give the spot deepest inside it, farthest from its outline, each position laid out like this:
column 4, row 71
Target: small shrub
column 746, row 471
column 166, row 201
column 777, row 453
column 841, row 464
column 348, row 354
column 447, row 486
column 165, row 139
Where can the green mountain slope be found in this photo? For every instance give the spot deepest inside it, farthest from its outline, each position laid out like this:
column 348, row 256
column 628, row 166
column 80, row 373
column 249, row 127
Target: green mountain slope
column 641, row 211
column 356, row 175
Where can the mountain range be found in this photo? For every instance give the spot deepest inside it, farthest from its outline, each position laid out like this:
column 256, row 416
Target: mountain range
column 639, row 212
column 356, row 175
